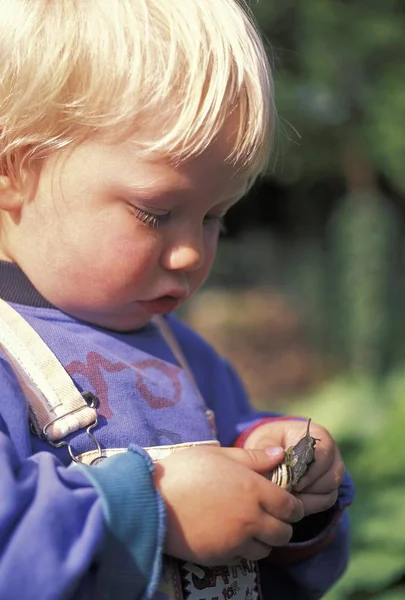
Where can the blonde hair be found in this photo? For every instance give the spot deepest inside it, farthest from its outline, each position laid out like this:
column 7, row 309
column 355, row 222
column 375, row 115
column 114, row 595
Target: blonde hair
column 174, row 68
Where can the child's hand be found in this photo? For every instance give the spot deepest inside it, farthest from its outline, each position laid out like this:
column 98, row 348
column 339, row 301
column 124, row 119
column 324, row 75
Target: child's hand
column 318, row 489
column 220, row 507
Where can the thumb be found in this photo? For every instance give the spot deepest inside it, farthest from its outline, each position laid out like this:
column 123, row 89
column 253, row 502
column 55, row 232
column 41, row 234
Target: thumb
column 260, row 461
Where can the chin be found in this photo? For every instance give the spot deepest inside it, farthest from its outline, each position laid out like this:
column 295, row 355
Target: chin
column 120, row 321
column 123, row 324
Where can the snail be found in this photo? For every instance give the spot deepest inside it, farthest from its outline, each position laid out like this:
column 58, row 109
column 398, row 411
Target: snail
column 296, row 462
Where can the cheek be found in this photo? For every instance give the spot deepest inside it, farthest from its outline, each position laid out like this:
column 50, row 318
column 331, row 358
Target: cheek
column 107, row 274
column 210, row 251
column 114, row 240
column 111, row 253
column 124, row 255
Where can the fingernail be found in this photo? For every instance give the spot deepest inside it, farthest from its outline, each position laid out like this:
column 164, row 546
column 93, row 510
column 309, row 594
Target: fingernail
column 273, row 450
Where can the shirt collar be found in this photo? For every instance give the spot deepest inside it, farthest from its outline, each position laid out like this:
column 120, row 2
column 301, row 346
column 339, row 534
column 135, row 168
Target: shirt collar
column 17, row 288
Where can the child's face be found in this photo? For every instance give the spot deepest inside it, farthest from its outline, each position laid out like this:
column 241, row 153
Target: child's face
column 111, row 239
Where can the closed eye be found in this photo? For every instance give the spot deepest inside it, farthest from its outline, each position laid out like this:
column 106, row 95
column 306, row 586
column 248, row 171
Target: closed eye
column 157, row 220
column 153, row 220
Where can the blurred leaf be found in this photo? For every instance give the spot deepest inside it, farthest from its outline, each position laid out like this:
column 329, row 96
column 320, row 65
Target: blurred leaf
column 371, row 569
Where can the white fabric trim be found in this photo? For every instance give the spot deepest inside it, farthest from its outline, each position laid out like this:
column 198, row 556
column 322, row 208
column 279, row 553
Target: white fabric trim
column 57, row 407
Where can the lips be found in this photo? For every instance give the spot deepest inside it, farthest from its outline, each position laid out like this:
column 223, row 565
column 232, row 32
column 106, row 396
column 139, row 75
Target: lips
column 161, row 305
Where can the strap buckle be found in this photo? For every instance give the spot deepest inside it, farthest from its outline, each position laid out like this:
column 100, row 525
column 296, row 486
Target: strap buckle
column 92, row 402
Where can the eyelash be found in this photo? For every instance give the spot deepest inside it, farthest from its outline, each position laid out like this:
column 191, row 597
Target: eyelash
column 156, row 221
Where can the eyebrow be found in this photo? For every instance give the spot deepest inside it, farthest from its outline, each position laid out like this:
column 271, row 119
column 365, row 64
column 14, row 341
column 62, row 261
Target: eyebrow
column 134, row 188
column 154, row 188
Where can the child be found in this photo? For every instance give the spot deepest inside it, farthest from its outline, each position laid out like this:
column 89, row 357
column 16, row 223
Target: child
column 128, row 129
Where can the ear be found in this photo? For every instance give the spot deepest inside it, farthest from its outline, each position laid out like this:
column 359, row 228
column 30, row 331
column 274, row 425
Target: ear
column 15, row 191
column 11, row 195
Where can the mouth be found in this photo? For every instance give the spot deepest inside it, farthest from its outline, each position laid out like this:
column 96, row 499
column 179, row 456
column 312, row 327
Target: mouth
column 161, row 305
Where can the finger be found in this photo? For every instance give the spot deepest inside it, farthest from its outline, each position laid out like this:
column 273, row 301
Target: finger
column 327, row 459
column 274, row 532
column 256, row 460
column 315, row 503
column 327, row 482
column 279, row 503
column 266, row 442
column 324, row 460
column 254, row 550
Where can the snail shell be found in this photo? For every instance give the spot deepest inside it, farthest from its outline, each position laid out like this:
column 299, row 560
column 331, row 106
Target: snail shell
column 282, row 476
column 296, row 462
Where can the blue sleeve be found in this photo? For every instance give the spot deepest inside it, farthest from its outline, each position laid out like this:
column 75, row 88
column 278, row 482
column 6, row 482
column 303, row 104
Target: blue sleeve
column 64, row 531
column 130, row 563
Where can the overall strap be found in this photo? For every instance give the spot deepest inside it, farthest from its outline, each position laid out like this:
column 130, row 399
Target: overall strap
column 170, row 339
column 57, row 408
column 175, row 347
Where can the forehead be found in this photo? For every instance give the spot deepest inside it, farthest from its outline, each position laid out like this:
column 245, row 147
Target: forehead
column 211, row 171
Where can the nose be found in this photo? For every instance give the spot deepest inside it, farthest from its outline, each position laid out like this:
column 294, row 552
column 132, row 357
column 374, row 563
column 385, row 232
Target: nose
column 184, row 254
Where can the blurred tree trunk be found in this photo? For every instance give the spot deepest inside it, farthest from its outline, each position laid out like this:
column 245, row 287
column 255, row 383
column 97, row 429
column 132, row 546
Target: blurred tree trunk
column 364, row 241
